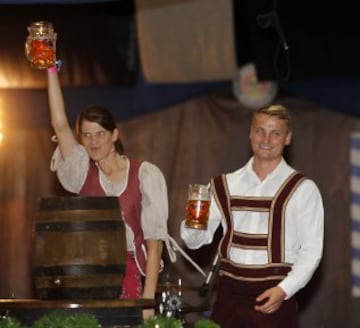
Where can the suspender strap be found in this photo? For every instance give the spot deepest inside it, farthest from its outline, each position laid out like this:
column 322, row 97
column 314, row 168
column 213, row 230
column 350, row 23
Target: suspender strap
column 276, row 271
column 221, row 196
column 277, row 215
column 250, row 204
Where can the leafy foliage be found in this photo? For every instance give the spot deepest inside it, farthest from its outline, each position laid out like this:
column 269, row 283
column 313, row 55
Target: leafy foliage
column 171, row 322
column 161, row 322
column 9, row 322
column 206, row 323
column 57, row 319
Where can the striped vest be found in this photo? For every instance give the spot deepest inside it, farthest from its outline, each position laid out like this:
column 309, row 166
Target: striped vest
column 273, row 242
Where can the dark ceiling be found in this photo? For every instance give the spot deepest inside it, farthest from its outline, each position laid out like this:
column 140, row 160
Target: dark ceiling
column 321, row 61
column 322, row 36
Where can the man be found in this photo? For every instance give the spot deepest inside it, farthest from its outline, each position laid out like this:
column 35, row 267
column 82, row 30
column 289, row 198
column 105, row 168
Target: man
column 273, row 223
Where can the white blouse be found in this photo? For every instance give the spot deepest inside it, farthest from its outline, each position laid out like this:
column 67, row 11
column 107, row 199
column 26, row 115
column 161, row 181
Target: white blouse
column 72, row 173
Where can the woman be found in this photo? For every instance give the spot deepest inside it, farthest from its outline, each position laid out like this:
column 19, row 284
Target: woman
column 94, row 164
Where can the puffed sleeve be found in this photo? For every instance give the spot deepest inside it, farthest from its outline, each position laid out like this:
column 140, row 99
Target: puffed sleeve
column 71, row 171
column 155, row 211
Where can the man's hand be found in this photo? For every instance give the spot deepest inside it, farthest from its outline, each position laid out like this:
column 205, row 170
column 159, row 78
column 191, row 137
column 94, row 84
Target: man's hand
column 271, row 300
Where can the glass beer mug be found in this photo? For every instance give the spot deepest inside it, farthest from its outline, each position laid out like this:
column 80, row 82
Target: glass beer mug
column 40, row 46
column 197, row 206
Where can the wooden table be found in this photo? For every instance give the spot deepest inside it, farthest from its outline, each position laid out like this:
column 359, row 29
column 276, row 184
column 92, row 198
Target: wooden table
column 122, row 312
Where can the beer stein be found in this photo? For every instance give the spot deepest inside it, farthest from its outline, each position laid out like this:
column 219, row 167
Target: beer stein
column 197, row 206
column 40, row 46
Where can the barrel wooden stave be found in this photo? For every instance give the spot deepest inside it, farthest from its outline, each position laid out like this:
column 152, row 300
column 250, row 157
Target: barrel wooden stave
column 79, row 248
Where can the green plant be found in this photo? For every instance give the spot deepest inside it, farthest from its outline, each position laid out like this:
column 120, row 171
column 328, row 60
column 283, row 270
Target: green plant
column 57, row 319
column 171, row 322
column 161, row 322
column 9, row 322
column 206, row 323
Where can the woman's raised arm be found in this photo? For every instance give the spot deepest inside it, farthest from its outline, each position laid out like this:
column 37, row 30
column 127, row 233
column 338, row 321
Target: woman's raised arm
column 59, row 121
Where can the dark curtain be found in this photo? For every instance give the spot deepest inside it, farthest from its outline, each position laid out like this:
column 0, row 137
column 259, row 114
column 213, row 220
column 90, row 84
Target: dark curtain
column 192, row 142
column 95, row 42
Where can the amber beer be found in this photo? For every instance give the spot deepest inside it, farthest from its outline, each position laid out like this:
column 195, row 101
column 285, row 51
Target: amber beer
column 197, row 206
column 40, row 46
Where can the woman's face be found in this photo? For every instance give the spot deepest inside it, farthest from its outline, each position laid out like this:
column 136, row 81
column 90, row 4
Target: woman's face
column 98, row 141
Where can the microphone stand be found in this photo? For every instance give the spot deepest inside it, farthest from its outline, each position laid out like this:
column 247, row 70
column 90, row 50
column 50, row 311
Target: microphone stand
column 204, row 289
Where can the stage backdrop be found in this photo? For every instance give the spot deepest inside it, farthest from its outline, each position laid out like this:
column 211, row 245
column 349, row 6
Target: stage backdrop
column 192, row 142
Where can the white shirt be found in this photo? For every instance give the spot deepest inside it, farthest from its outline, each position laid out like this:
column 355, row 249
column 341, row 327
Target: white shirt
column 304, row 223
column 72, row 173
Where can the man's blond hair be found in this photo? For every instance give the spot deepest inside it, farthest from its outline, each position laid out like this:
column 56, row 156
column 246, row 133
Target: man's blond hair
column 278, row 111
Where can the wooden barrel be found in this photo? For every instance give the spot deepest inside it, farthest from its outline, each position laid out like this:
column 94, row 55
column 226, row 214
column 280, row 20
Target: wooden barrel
column 79, row 248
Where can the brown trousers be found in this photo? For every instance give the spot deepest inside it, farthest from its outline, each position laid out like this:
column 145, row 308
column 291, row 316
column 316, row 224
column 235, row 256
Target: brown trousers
column 235, row 301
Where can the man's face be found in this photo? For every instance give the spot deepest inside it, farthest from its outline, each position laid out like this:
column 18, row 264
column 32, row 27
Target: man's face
column 269, row 135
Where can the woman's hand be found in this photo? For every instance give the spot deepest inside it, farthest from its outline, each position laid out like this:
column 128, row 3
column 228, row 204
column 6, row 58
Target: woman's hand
column 148, row 313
